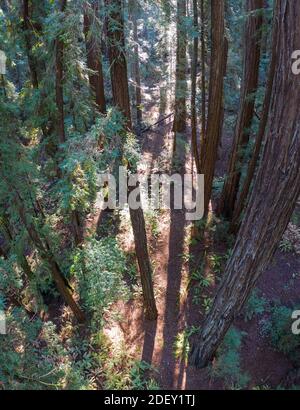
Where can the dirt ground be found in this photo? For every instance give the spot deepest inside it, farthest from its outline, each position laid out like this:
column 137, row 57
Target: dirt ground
column 153, row 342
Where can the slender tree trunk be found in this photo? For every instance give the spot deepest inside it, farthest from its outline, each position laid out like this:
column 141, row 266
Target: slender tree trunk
column 193, row 87
column 45, row 252
column 179, row 124
column 247, row 104
column 275, row 193
column 258, row 144
column 203, row 85
column 75, row 217
column 215, row 116
column 94, row 57
column 137, row 75
column 27, row 31
column 59, row 81
column 118, row 72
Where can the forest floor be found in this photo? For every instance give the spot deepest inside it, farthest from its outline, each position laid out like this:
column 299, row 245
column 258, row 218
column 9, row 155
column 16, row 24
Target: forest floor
column 176, row 257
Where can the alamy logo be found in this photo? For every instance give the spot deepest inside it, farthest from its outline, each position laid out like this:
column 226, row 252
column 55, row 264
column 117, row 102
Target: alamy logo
column 296, row 63
column 2, row 323
column 153, row 191
column 296, row 323
column 2, row 63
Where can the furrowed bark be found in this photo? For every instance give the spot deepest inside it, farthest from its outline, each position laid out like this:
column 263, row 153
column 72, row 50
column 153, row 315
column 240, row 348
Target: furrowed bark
column 94, row 57
column 215, row 104
column 274, row 196
column 247, row 104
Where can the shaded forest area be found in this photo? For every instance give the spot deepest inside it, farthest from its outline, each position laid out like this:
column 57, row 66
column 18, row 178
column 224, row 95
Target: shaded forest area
column 144, row 299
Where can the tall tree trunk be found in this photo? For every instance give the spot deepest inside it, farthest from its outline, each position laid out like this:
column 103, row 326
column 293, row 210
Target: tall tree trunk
column 46, row 254
column 75, row 217
column 27, row 32
column 119, row 80
column 193, row 87
column 215, row 103
column 137, row 75
column 203, row 84
column 94, row 57
column 179, row 125
column 274, row 196
column 258, row 144
column 59, row 58
column 247, row 104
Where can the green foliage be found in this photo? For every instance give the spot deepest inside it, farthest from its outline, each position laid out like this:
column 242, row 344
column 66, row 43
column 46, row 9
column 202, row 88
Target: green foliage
column 99, row 268
column 286, row 246
column 33, row 357
column 227, row 365
column 181, row 345
column 279, row 329
column 255, row 305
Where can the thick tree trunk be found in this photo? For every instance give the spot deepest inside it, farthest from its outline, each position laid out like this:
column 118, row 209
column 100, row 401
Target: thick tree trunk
column 116, row 52
column 203, row 84
column 215, row 116
column 258, row 143
column 94, row 57
column 119, row 80
column 247, row 103
column 181, row 65
column 274, row 196
column 193, row 87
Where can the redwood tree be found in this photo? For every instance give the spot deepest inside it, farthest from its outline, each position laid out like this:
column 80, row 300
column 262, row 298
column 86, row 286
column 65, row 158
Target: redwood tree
column 215, row 104
column 181, row 65
column 240, row 204
column 119, row 80
column 247, row 103
column 274, row 196
column 94, row 57
column 193, row 86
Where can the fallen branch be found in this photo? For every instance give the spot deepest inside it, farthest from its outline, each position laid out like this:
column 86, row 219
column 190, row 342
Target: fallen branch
column 156, row 123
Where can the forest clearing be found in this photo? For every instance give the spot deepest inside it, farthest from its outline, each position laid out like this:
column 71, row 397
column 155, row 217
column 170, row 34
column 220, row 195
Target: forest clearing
column 195, row 105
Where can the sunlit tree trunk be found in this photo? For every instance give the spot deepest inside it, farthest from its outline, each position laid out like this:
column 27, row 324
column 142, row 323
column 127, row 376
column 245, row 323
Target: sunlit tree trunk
column 193, row 86
column 119, row 80
column 215, row 103
column 94, row 57
column 179, row 125
column 274, row 196
column 247, row 104
column 133, row 10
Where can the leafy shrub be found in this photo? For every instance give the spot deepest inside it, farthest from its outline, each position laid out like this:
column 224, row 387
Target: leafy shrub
column 255, row 305
column 99, row 268
column 227, row 365
column 278, row 328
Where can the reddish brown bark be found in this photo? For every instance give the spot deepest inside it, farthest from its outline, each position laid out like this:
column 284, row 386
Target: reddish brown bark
column 118, row 72
column 181, row 65
column 94, row 57
column 215, row 104
column 193, row 88
column 258, row 144
column 275, row 192
column 247, row 103
column 203, row 83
